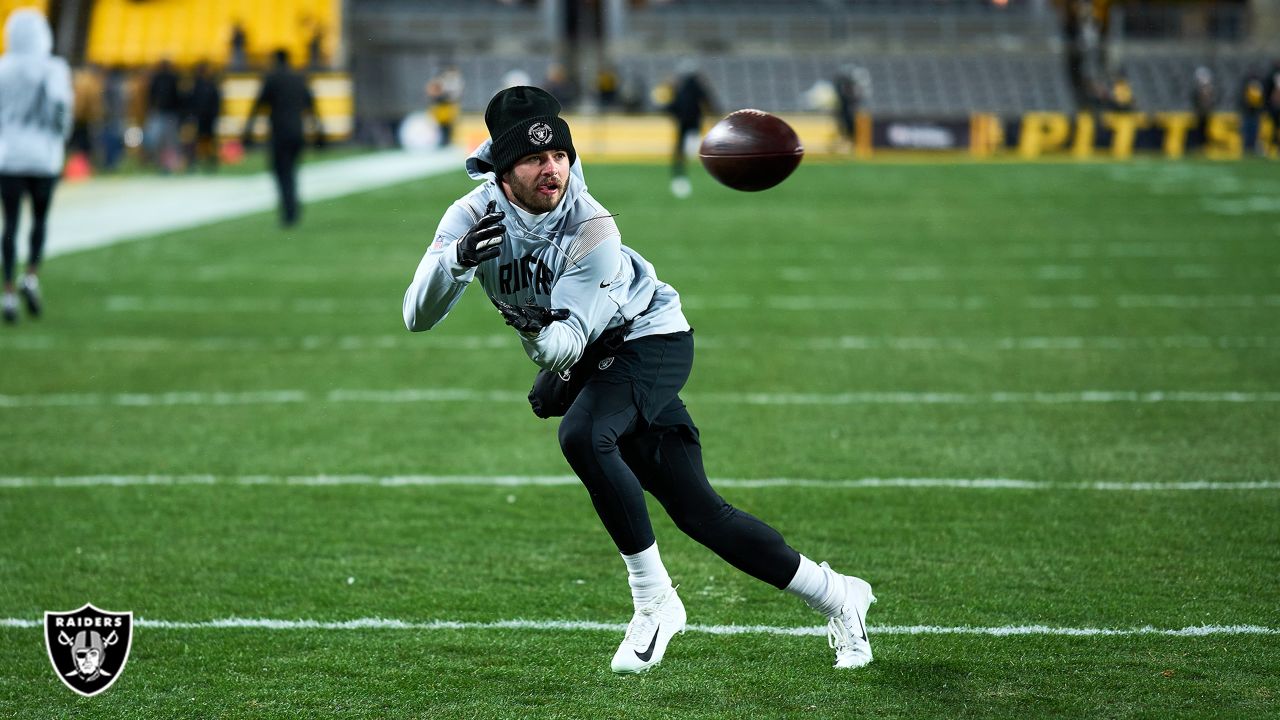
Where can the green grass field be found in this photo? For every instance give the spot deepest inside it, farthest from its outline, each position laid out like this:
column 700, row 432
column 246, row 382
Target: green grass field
column 200, row 428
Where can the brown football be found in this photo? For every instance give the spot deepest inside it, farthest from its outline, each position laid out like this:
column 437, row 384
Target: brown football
column 751, row 150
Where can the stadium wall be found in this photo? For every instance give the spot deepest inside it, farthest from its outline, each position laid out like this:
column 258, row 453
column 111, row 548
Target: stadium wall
column 1029, row 136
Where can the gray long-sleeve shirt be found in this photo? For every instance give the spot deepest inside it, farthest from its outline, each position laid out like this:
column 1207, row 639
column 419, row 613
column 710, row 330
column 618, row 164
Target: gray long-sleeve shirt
column 571, row 258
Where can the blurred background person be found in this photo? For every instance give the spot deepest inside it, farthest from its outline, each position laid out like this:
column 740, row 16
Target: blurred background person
column 560, row 85
column 115, row 116
column 1203, row 98
column 691, row 99
column 35, row 120
column 164, row 117
column 204, row 105
column 285, row 92
column 1252, row 105
column 1121, row 94
column 86, row 118
column 608, row 88
column 1271, row 93
column 848, row 98
column 444, row 94
column 315, row 43
column 239, row 42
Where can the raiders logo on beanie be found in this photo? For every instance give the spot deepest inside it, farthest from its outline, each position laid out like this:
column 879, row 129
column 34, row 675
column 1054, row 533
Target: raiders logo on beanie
column 524, row 120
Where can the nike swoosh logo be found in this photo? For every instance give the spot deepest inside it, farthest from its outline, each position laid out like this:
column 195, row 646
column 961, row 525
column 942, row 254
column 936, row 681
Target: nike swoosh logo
column 644, row 656
column 605, row 285
column 863, row 627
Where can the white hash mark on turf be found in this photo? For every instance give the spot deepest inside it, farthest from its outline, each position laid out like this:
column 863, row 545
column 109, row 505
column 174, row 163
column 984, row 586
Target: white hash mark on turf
column 411, row 395
column 796, row 303
column 586, row 625
column 367, row 343
column 394, row 481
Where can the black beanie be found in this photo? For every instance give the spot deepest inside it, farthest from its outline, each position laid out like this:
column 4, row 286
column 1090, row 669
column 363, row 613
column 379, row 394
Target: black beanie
column 524, row 120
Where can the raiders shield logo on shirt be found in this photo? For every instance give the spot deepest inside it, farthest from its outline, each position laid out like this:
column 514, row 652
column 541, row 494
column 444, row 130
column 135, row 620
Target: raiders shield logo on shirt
column 88, row 647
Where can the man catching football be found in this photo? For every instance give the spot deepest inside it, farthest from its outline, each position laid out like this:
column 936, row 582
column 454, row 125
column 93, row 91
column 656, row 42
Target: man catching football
column 551, row 259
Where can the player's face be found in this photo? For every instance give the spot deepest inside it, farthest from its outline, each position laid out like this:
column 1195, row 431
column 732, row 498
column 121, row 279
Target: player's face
column 536, row 182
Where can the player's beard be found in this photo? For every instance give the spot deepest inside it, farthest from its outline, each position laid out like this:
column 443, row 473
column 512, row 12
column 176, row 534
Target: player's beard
column 529, row 196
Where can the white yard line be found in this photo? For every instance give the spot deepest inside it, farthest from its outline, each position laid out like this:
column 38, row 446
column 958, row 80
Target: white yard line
column 434, row 341
column 796, row 303
column 235, row 623
column 420, row 395
column 109, row 210
column 397, row 481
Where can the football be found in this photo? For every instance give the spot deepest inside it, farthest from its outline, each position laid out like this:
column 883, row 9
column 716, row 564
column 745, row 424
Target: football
column 751, row 150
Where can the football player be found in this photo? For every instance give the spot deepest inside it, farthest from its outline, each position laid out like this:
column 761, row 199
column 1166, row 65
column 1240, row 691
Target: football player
column 551, row 258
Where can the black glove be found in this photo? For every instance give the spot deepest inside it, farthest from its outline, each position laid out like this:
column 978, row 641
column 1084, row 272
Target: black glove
column 529, row 319
column 482, row 240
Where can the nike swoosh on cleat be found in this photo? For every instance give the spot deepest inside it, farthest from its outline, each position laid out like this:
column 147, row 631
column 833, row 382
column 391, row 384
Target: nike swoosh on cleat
column 605, row 285
column 644, row 656
column 861, row 625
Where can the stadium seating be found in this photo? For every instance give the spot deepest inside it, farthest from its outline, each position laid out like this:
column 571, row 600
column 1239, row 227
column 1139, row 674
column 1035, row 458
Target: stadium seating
column 810, row 23
column 939, row 58
column 1163, row 80
column 932, row 84
column 124, row 32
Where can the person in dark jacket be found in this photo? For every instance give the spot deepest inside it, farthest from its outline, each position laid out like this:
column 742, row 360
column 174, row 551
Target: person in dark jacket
column 691, row 99
column 285, row 91
column 164, row 117
column 204, row 105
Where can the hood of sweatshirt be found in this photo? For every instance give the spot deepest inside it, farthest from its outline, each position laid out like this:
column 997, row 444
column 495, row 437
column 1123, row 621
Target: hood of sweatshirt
column 27, row 33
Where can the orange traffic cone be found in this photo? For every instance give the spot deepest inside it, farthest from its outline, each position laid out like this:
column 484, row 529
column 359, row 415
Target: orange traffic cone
column 231, row 152
column 77, row 168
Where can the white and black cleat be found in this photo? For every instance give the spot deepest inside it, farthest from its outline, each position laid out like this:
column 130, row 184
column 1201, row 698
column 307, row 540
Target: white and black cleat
column 847, row 629
column 651, row 628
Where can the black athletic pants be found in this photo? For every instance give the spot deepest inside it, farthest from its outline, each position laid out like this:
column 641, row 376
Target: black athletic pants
column 628, row 431
column 285, row 152
column 12, row 188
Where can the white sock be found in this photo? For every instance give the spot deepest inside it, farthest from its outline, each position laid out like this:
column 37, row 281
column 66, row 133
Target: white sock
column 822, row 588
column 646, row 575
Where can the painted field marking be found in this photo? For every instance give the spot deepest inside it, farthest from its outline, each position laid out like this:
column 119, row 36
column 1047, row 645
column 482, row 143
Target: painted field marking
column 113, row 210
column 408, row 341
column 799, row 303
column 394, row 481
column 235, row 623
column 419, row 395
